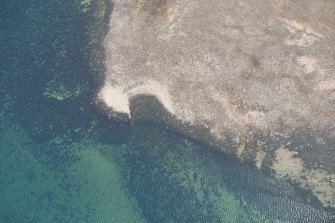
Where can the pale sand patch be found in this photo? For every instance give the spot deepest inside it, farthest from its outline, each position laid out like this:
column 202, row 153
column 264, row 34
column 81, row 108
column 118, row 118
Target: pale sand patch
column 306, row 35
column 326, row 85
column 309, row 64
column 260, row 155
column 117, row 98
column 322, row 184
column 240, row 150
column 286, row 165
column 318, row 181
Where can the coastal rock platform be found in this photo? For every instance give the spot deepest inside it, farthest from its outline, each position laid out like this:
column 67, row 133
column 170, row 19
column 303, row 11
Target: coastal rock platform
column 257, row 77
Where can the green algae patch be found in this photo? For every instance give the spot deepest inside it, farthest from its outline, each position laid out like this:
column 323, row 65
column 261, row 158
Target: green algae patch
column 60, row 92
column 86, row 2
column 85, row 5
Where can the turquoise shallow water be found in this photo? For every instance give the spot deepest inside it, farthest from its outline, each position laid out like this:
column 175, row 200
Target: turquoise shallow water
column 63, row 160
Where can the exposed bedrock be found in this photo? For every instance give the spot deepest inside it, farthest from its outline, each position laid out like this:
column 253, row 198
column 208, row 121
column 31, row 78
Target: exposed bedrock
column 256, row 77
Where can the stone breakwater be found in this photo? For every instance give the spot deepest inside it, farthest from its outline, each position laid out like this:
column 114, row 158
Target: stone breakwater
column 259, row 74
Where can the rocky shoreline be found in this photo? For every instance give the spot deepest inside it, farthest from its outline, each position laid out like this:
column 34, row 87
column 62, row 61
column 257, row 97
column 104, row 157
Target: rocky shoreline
column 253, row 79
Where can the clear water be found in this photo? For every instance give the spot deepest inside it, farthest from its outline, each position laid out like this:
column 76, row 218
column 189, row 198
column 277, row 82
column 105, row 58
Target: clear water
column 63, row 160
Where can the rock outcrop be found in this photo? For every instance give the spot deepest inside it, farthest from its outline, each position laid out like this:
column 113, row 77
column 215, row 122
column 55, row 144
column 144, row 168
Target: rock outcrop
column 257, row 74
